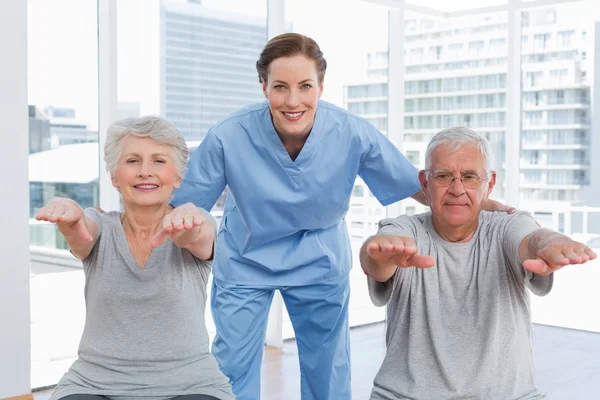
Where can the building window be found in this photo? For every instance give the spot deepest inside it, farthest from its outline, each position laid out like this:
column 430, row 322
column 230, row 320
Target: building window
column 358, row 191
column 413, row 157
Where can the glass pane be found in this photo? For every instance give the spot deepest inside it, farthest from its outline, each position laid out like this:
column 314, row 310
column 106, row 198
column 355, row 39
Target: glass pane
column 556, row 134
column 192, row 62
column 356, row 79
column 456, row 5
column 63, row 161
column 559, row 167
column 455, row 76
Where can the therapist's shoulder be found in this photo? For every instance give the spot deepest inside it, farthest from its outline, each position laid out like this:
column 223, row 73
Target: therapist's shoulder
column 347, row 118
column 247, row 115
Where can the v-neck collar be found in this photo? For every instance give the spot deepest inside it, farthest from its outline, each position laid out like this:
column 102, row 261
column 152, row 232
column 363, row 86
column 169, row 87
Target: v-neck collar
column 293, row 167
column 128, row 254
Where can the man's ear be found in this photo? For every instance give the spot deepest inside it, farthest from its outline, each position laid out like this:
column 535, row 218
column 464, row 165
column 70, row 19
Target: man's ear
column 492, row 182
column 423, row 180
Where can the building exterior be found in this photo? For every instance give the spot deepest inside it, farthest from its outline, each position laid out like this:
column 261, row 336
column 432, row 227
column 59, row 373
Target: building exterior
column 65, row 128
column 456, row 76
column 39, row 130
column 207, row 64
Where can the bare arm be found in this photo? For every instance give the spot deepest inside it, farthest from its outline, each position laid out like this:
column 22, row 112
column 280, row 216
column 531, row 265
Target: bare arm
column 544, row 252
column 79, row 231
column 203, row 244
column 190, row 229
column 420, row 197
column 380, row 255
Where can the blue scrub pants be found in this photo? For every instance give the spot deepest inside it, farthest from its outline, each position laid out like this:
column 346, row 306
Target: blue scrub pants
column 319, row 314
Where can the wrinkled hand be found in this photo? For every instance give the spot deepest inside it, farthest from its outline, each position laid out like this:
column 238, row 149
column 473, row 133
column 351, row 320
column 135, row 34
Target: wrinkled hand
column 65, row 213
column 180, row 225
column 397, row 250
column 493, row 205
column 553, row 258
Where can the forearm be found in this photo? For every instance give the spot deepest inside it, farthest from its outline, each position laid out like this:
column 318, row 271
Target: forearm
column 202, row 246
column 80, row 247
column 540, row 239
column 381, row 272
column 421, row 198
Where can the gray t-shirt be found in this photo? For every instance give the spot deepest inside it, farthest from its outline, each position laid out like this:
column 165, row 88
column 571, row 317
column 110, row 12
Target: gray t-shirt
column 144, row 335
column 462, row 329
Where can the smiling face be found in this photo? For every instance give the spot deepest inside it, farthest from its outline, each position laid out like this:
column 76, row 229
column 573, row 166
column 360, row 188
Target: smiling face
column 146, row 174
column 293, row 90
column 455, row 206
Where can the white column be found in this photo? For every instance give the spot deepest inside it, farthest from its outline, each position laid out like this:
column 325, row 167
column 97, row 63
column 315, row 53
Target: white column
column 15, row 358
column 395, row 111
column 513, row 106
column 274, row 334
column 275, row 18
column 107, row 93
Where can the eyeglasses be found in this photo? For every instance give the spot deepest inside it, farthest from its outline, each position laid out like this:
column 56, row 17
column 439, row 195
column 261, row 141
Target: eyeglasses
column 469, row 181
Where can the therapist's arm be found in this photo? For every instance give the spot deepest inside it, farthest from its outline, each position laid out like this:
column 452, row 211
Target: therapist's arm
column 204, row 180
column 420, row 197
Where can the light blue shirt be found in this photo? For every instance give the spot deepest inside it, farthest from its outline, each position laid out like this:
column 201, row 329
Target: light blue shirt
column 283, row 222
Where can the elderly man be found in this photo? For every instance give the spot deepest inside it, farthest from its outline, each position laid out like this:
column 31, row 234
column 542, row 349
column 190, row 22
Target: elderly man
column 455, row 279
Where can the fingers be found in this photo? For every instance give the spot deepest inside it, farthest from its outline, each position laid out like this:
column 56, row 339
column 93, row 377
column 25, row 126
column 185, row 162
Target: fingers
column 386, row 247
column 47, row 213
column 537, row 266
column 180, row 219
column 568, row 253
column 160, row 238
column 422, row 261
column 183, row 217
column 60, row 212
column 398, row 250
column 591, row 254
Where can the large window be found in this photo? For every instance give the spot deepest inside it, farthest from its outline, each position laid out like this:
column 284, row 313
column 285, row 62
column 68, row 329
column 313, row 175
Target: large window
column 559, row 174
column 356, row 79
column 556, row 137
column 63, row 161
column 191, row 62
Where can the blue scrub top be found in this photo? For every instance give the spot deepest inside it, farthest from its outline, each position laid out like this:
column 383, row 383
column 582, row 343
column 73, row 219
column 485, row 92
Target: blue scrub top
column 283, row 222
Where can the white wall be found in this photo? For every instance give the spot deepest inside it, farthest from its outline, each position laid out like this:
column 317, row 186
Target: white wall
column 14, row 202
column 573, row 301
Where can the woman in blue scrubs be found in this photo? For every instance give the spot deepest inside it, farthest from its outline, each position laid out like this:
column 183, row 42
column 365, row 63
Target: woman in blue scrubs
column 290, row 164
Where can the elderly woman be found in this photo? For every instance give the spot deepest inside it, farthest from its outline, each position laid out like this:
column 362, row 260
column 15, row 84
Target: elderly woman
column 146, row 273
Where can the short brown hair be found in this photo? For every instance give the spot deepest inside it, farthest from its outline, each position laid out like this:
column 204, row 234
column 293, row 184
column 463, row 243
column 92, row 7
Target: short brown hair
column 289, row 45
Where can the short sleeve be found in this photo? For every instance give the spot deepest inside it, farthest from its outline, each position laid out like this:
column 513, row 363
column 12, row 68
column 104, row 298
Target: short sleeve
column 518, row 227
column 381, row 292
column 399, row 226
column 388, row 174
column 205, row 179
column 95, row 216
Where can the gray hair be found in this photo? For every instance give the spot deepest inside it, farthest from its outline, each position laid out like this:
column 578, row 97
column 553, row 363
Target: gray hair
column 151, row 126
column 457, row 137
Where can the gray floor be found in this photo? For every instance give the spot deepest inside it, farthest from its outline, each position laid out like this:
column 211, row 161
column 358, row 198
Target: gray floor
column 568, row 364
